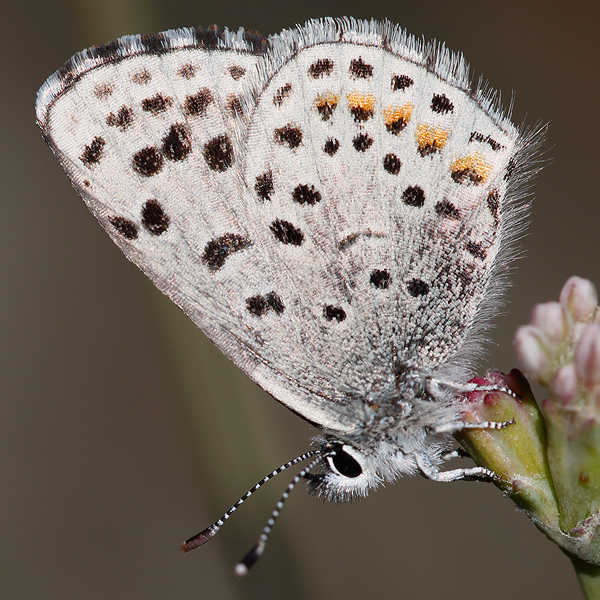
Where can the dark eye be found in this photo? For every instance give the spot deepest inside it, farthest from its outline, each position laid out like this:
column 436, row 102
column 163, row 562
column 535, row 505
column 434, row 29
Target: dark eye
column 345, row 464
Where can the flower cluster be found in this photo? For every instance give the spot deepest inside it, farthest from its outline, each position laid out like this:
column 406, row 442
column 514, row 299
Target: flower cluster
column 548, row 462
column 561, row 347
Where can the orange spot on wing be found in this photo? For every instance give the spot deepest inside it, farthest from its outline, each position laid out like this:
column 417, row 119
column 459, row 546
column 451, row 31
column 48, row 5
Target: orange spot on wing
column 325, row 104
column 471, row 169
column 396, row 118
column 431, row 139
column 362, row 106
column 364, row 101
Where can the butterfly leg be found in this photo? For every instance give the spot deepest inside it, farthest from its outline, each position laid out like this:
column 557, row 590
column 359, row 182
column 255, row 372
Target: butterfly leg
column 435, row 386
column 453, row 427
column 457, row 453
column 431, row 471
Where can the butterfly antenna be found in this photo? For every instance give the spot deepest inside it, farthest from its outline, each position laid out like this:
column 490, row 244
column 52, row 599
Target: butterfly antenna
column 242, row 568
column 201, row 538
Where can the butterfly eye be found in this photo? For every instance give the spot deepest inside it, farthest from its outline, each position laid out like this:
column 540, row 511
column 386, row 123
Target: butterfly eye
column 345, row 464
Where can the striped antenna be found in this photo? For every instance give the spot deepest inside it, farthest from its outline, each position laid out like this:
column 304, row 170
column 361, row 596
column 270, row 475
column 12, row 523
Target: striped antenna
column 242, row 568
column 201, row 538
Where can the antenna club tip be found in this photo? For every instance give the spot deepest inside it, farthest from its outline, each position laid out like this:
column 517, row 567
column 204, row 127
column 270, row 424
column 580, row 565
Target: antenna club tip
column 199, row 539
column 242, row 568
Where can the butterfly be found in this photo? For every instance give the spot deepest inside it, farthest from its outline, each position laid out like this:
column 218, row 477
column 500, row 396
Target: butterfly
column 334, row 207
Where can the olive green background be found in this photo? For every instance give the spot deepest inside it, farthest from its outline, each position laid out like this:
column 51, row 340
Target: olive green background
column 123, row 431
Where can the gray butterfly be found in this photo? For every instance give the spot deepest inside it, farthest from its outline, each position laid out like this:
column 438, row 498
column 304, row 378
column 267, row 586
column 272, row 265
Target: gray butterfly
column 334, row 206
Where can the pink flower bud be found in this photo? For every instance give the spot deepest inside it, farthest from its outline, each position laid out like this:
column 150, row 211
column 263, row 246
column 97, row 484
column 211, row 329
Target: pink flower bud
column 587, row 355
column 563, row 385
column 530, row 350
column 553, row 319
column 579, row 297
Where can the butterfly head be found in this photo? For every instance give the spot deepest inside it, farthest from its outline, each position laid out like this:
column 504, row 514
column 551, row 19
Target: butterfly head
column 349, row 470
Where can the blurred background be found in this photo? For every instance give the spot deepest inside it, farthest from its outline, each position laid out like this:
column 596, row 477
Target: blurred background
column 123, row 431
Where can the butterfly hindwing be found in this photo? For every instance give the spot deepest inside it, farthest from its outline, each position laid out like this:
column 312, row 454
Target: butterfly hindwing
column 380, row 208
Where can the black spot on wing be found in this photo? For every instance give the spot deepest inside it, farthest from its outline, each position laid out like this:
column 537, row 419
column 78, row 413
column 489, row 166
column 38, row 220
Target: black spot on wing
column 392, row 164
column 122, row 119
column 218, row 153
column 157, row 104
column 219, row 249
column 320, row 68
column 429, row 149
column 467, row 176
column 289, row 135
column 274, row 302
column 359, row 69
column 331, row 313
column 326, row 105
column 237, row 72
column 148, row 161
column 154, row 218
column 440, row 103
column 141, row 77
column 234, row 106
column 264, row 185
column 396, row 125
column 362, row 142
column 331, row 146
column 286, row 233
column 361, row 114
column 187, row 71
column 128, row 229
column 281, row 94
column 414, row 196
column 493, row 203
column 259, row 305
column 380, row 278
column 401, row 82
column 103, row 90
column 93, row 152
column 196, row 104
column 177, row 144
column 304, row 194
column 417, row 287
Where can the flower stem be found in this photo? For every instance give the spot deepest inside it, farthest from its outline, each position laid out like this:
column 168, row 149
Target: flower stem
column 589, row 578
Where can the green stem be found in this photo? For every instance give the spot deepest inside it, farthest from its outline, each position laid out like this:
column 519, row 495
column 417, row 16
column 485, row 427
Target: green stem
column 589, row 578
